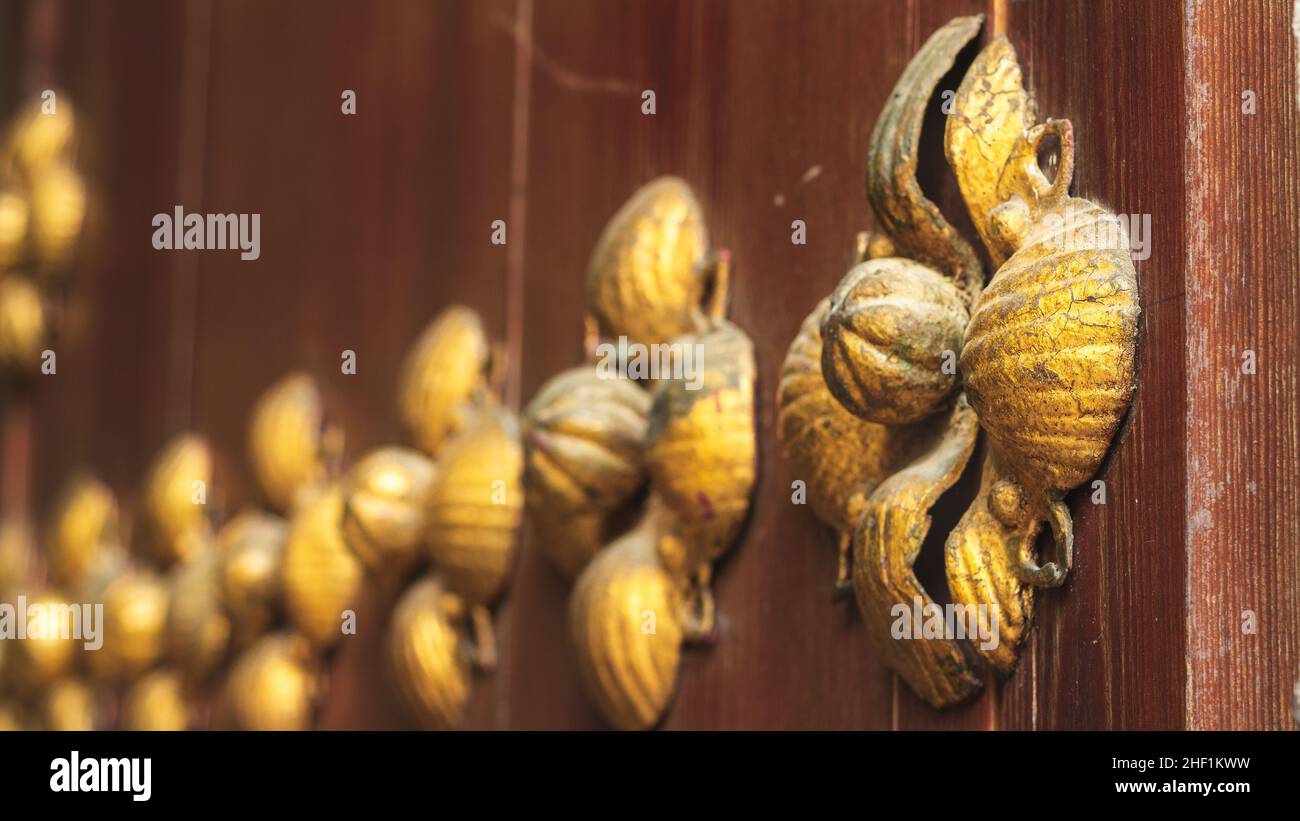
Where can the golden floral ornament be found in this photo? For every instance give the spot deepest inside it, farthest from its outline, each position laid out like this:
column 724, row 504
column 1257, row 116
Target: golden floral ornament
column 913, row 356
column 596, row 435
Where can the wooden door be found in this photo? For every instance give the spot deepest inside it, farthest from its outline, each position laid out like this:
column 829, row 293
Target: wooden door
column 529, row 111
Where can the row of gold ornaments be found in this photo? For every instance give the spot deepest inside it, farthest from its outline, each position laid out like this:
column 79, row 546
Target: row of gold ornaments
column 241, row 620
column 879, row 423
column 594, row 438
column 42, row 206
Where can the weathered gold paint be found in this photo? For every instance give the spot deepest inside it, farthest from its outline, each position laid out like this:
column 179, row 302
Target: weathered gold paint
column 648, row 274
column 890, row 341
column 592, row 435
column 1046, row 366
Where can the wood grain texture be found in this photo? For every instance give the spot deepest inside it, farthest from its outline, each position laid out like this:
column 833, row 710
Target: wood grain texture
column 1108, row 648
column 1242, row 432
column 105, row 407
column 371, row 224
column 530, row 111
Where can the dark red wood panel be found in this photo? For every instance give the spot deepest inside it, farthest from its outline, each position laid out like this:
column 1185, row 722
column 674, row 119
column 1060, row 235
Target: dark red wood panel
column 106, row 406
column 371, row 224
column 1242, row 432
column 530, row 111
column 1110, row 649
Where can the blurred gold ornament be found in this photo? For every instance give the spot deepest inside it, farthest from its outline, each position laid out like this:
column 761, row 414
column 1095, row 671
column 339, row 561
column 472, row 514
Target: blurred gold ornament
column 648, row 272
column 701, row 450
column 429, row 662
column 386, row 504
column 890, row 341
column 22, row 325
column 14, row 216
column 82, row 523
column 286, row 440
column 251, row 547
column 585, row 440
column 272, row 686
column 173, row 515
column 11, row 716
column 198, row 628
column 584, row 443
column 593, row 436
column 134, row 626
column 42, row 133
column 155, row 702
column 445, row 369
column 17, row 547
column 41, row 644
column 624, row 616
column 476, row 506
column 322, row 576
column 68, row 705
column 58, row 207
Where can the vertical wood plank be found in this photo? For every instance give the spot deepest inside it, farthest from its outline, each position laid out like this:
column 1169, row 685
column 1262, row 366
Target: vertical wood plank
column 370, row 225
column 1109, row 647
column 105, row 407
column 1242, row 431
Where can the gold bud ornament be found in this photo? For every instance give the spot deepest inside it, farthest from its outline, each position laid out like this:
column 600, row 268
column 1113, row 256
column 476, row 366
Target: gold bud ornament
column 890, row 340
column 476, row 506
column 272, row 686
column 173, row 508
column 322, row 576
column 251, row 547
column 445, row 369
column 82, row 522
column 429, row 663
column 286, row 439
column 386, row 504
